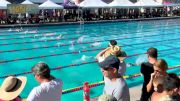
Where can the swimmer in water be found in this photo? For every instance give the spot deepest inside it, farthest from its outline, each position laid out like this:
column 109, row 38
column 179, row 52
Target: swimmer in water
column 60, row 36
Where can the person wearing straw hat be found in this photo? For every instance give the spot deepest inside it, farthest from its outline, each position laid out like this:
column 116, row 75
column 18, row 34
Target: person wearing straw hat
column 50, row 89
column 11, row 88
column 114, row 50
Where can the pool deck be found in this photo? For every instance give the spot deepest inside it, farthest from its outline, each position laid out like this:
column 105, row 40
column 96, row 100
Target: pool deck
column 135, row 93
column 85, row 22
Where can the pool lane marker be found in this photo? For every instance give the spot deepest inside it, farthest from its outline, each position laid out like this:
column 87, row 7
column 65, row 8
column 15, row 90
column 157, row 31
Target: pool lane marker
column 71, row 65
column 45, row 32
column 58, row 39
column 65, row 34
column 77, row 43
column 61, row 45
column 75, row 52
column 70, row 90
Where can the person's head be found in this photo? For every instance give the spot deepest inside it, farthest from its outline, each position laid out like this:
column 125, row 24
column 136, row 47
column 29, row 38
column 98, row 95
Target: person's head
column 112, row 43
column 12, row 87
column 110, row 66
column 106, row 97
column 41, row 71
column 158, row 83
column 160, row 66
column 172, row 84
column 152, row 52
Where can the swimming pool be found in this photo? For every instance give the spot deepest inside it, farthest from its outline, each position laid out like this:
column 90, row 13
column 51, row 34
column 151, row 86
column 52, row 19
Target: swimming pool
column 70, row 45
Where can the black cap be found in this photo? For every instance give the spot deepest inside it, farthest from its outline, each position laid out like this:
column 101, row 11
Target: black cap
column 113, row 42
column 110, row 62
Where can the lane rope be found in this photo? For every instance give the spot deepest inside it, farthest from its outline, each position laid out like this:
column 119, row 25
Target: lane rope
column 102, row 82
column 71, row 65
column 58, row 39
column 75, row 52
column 48, row 34
column 61, row 45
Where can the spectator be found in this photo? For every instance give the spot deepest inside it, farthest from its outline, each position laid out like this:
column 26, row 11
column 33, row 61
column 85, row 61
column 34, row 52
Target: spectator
column 158, row 87
column 11, row 88
column 113, row 49
column 106, row 97
column 171, row 88
column 160, row 67
column 50, row 89
column 146, row 70
column 176, row 94
column 114, row 85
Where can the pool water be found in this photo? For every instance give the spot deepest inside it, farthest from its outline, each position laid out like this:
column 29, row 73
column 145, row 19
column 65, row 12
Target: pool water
column 65, row 45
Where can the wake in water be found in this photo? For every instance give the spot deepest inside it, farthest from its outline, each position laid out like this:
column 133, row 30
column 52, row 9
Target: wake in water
column 30, row 32
column 84, row 58
column 82, row 39
column 72, row 48
column 15, row 30
column 96, row 44
column 59, row 37
column 139, row 61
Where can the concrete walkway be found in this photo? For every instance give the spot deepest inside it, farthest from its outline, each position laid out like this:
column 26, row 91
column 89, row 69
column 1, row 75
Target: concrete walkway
column 135, row 93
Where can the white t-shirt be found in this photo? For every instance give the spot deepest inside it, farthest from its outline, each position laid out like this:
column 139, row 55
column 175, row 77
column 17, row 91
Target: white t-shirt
column 118, row 89
column 48, row 91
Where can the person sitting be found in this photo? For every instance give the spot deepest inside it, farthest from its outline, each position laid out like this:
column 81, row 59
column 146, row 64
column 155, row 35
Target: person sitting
column 115, row 85
column 11, row 88
column 50, row 89
column 106, row 97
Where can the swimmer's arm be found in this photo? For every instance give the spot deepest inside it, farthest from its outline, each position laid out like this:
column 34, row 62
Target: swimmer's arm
column 102, row 52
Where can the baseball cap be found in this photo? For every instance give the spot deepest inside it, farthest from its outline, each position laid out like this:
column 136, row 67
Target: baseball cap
column 110, row 62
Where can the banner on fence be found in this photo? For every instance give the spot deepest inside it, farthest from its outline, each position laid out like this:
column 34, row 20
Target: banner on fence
column 22, row 8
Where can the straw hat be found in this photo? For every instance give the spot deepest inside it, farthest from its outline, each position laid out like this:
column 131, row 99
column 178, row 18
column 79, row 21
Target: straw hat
column 12, row 87
column 116, row 50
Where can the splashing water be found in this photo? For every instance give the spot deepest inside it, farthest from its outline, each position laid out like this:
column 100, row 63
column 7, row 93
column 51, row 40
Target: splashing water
column 85, row 58
column 95, row 44
column 32, row 32
column 49, row 34
column 10, row 30
column 35, row 36
column 72, row 48
column 82, row 38
column 141, row 59
column 58, row 44
column 60, row 36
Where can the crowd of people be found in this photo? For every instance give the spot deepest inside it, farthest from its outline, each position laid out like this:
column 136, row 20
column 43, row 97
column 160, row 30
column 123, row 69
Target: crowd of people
column 158, row 85
column 88, row 14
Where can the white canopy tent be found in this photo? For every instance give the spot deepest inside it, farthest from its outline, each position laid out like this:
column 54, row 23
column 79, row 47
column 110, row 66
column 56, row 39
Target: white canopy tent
column 3, row 4
column 93, row 4
column 147, row 3
column 50, row 5
column 27, row 2
column 121, row 4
